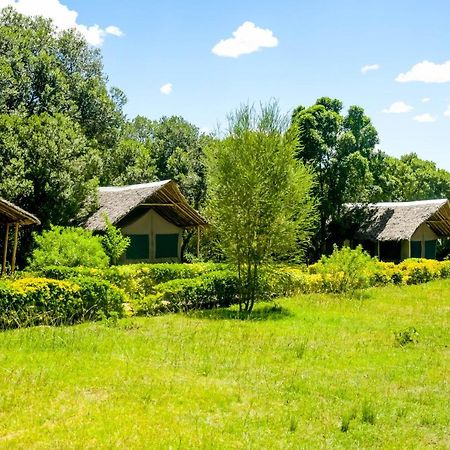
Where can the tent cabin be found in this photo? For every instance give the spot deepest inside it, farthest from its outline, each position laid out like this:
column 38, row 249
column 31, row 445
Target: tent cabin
column 13, row 216
column 399, row 230
column 153, row 215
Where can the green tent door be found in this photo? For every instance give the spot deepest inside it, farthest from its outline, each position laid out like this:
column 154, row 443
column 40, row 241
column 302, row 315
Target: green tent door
column 139, row 246
column 430, row 249
column 166, row 246
column 416, row 249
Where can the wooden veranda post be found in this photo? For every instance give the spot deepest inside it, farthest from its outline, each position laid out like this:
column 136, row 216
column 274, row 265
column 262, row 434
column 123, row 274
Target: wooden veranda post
column 198, row 241
column 13, row 260
column 5, row 249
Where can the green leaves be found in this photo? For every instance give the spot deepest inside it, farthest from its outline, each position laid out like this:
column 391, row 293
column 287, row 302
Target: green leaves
column 70, row 247
column 114, row 242
column 259, row 195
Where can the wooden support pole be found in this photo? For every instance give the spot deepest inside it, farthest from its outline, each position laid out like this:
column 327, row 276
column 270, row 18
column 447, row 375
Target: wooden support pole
column 198, row 242
column 5, row 249
column 13, row 260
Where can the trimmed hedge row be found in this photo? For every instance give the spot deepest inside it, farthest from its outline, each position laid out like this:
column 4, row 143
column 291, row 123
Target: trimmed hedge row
column 158, row 288
column 375, row 273
column 137, row 280
column 43, row 301
column 211, row 290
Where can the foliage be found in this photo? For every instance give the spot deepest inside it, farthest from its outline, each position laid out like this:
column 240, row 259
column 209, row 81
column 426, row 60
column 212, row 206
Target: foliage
column 211, row 290
column 114, row 242
column 137, row 280
column 42, row 301
column 354, row 267
column 259, row 195
column 340, row 149
column 69, row 246
column 47, row 166
column 348, row 270
column 407, row 336
column 45, row 71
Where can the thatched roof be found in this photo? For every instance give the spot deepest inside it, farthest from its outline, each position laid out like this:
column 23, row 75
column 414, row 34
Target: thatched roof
column 12, row 214
column 162, row 196
column 399, row 220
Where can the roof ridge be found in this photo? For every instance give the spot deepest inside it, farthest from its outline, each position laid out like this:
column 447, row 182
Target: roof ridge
column 131, row 187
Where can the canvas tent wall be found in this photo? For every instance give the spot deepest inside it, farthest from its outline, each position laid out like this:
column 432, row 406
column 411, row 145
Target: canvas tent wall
column 402, row 229
column 153, row 215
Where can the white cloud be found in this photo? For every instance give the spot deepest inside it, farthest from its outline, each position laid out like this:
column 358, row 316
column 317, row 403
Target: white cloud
column 447, row 111
column 369, row 67
column 398, row 108
column 63, row 18
column 166, row 89
column 115, row 31
column 425, row 99
column 427, row 117
column 426, row 72
column 248, row 38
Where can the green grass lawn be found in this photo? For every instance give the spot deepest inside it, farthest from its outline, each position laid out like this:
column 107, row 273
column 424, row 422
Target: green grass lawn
column 318, row 372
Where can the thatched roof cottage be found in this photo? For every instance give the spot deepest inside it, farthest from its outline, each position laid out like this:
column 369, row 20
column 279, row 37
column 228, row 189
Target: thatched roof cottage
column 13, row 216
column 153, row 215
column 399, row 230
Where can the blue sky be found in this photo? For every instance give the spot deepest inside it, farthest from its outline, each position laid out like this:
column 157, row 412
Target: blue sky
column 309, row 49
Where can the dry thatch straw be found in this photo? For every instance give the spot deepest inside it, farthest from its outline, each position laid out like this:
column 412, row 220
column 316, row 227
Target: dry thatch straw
column 162, row 196
column 399, row 220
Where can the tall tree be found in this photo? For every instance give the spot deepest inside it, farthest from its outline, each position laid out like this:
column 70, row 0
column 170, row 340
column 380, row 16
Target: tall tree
column 47, row 166
column 45, row 71
column 339, row 149
column 259, row 194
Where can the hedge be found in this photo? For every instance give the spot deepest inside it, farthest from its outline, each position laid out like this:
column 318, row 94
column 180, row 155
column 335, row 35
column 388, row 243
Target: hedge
column 137, row 280
column 44, row 301
column 156, row 288
column 211, row 290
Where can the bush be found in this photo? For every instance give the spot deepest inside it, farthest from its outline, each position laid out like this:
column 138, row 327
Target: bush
column 137, row 280
column 211, row 290
column 114, row 242
column 345, row 270
column 410, row 271
column 406, row 336
column 43, row 301
column 69, row 247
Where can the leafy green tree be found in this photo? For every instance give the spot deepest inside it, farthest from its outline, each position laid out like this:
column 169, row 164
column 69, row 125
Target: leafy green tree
column 45, row 71
column 47, row 166
column 339, row 149
column 71, row 247
column 259, row 195
column 114, row 242
column 131, row 160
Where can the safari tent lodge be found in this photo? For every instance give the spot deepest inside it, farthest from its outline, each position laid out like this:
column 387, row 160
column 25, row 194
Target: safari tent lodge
column 153, row 215
column 12, row 218
column 399, row 230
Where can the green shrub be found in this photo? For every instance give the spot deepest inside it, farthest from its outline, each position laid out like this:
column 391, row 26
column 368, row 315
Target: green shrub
column 215, row 289
column 114, row 242
column 137, row 280
column 43, row 301
column 69, row 247
column 100, row 298
column 406, row 336
column 345, row 270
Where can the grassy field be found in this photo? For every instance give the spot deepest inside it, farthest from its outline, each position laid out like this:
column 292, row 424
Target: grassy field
column 316, row 372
